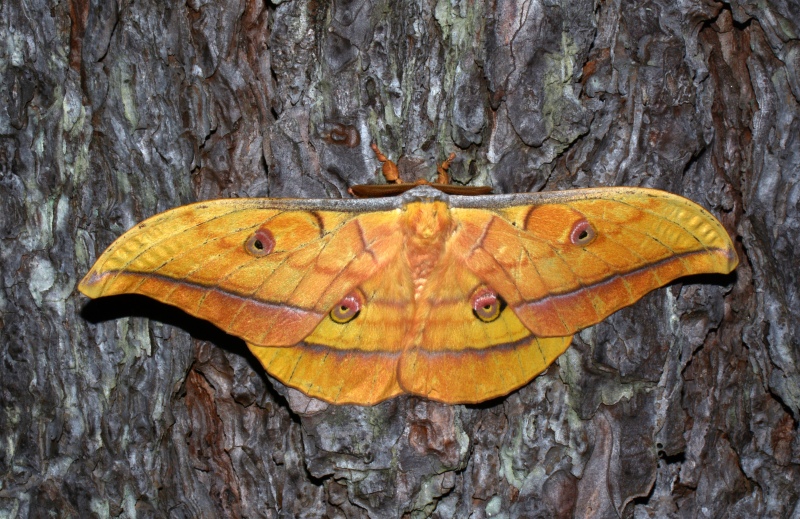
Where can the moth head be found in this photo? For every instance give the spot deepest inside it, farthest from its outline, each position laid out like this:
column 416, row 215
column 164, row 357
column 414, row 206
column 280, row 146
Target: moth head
column 348, row 308
column 487, row 305
column 428, row 221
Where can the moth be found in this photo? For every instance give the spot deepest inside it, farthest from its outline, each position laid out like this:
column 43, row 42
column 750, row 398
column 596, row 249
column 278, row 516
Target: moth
column 458, row 299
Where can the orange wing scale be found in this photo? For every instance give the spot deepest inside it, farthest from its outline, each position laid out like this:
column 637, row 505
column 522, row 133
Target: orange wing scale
column 454, row 299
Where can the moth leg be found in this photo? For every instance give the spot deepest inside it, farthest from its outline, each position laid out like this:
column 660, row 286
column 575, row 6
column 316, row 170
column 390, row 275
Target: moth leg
column 389, row 168
column 441, row 169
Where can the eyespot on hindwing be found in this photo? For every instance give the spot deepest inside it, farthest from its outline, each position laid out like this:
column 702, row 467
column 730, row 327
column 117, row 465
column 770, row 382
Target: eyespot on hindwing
column 348, row 308
column 486, row 304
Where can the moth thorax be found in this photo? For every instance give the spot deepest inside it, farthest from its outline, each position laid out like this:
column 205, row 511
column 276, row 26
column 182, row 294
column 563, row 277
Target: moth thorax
column 428, row 225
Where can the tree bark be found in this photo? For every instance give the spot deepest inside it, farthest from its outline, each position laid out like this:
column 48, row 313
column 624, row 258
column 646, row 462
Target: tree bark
column 686, row 404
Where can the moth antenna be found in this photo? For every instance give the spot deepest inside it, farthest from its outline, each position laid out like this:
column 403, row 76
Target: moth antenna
column 389, row 168
column 441, row 169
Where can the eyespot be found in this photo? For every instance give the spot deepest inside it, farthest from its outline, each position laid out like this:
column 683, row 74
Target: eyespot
column 261, row 243
column 487, row 305
column 582, row 233
column 348, row 308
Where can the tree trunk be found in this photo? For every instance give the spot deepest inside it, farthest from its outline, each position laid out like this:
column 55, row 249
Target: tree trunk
column 686, row 404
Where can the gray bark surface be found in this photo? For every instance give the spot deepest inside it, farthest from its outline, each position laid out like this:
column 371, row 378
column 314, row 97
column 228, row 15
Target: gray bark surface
column 684, row 405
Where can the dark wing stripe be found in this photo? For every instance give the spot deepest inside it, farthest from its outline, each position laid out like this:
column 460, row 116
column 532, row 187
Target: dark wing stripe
column 327, row 350
column 159, row 277
column 482, row 351
column 609, row 279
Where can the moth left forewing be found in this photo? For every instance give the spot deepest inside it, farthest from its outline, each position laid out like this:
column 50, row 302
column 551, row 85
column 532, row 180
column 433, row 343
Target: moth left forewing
column 149, row 244
column 263, row 270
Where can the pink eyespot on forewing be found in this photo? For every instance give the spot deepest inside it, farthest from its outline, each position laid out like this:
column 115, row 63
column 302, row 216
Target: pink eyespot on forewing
column 348, row 308
column 582, row 233
column 486, row 304
column 261, row 243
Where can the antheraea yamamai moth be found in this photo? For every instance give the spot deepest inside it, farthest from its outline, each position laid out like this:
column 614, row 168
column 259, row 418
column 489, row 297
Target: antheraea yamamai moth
column 456, row 299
